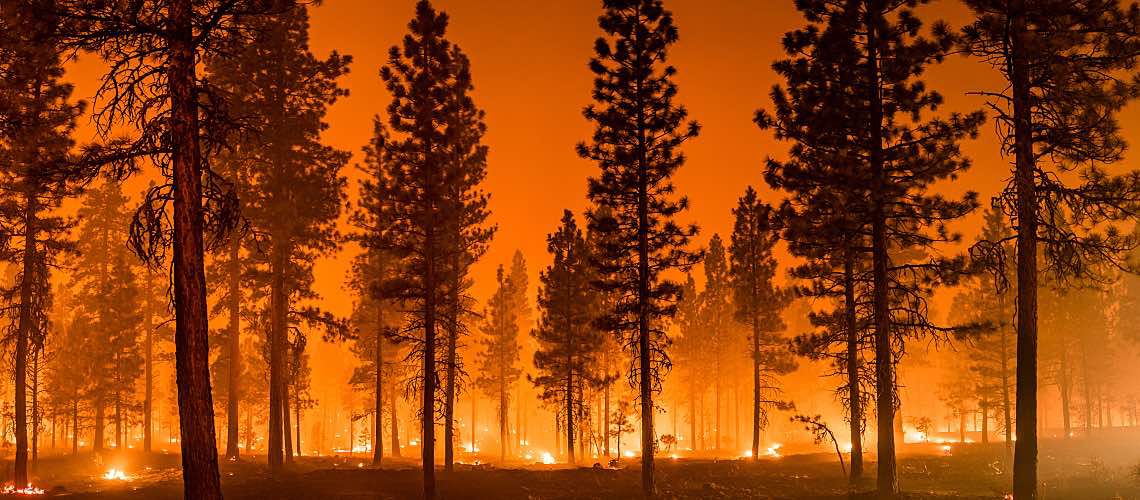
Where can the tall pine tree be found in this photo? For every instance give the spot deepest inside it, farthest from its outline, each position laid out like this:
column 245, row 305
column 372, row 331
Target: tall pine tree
column 638, row 128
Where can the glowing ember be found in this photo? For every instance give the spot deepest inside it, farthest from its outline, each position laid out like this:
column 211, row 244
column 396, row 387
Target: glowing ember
column 10, row 489
column 115, row 475
column 547, row 458
column 774, row 450
column 748, row 454
column 946, row 449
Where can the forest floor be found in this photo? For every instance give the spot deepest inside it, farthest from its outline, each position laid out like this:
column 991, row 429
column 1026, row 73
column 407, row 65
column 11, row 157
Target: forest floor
column 1101, row 469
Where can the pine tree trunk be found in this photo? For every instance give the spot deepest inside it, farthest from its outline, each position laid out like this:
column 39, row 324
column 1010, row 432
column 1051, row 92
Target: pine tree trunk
column 297, row 414
column 100, row 422
column 75, row 428
column 854, row 396
column 23, row 339
column 570, row 417
column 427, row 445
column 884, row 364
column 1025, row 448
column 395, row 426
column 191, row 335
column 755, row 387
column 452, row 367
column 234, row 388
column 985, row 424
column 278, row 310
column 36, row 408
column 1007, row 410
column 378, row 362
column 148, row 367
column 287, row 422
column 504, row 411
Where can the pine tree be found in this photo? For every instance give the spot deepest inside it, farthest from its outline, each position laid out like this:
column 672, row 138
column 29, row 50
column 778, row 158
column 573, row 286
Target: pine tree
column 37, row 118
column 498, row 362
column 638, row 129
column 879, row 52
column 691, row 352
column 1069, row 67
column 295, row 187
column 153, row 86
column 569, row 344
column 436, row 208
column 758, row 302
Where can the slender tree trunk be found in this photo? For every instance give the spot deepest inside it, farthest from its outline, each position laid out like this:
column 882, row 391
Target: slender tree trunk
column 449, row 396
column 36, row 408
column 570, row 417
column 716, row 398
column 191, row 333
column 23, row 338
column 395, row 426
column 278, row 310
column 427, row 445
column 98, row 440
column 119, row 420
column 1086, row 388
column 297, row 414
column 985, row 424
column 888, row 486
column 854, row 395
column 378, row 362
column 233, row 394
column 1006, row 404
column 287, row 422
column 75, row 428
column 755, row 387
column 148, row 364
column 1025, row 449
column 504, row 426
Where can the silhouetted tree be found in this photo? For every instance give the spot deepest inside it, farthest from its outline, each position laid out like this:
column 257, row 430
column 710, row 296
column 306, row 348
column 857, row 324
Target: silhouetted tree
column 152, row 86
column 281, row 92
column 880, row 52
column 638, row 128
column 758, row 302
column 498, row 362
column 436, row 208
column 38, row 170
column 569, row 344
column 1068, row 68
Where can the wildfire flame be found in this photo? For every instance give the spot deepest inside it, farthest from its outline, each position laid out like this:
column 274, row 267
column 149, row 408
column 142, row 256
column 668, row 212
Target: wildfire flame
column 115, row 475
column 547, row 458
column 11, row 489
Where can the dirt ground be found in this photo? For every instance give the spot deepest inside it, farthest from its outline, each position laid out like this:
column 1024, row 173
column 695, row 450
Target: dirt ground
column 1088, row 470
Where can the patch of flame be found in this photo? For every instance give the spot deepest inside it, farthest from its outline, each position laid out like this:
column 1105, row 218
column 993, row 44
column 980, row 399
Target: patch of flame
column 547, row 458
column 116, row 475
column 11, row 489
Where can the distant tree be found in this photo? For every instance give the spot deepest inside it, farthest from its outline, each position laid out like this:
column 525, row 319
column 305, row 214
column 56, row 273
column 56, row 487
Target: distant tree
column 758, row 302
column 569, row 344
column 693, row 355
column 520, row 290
column 1056, row 112
column 498, row 361
column 38, row 170
column 717, row 309
column 293, row 199
column 992, row 352
column 637, row 156
column 110, row 298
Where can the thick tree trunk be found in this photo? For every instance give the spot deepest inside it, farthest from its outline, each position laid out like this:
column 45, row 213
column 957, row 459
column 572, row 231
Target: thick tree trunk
column 233, row 396
column 888, row 485
column 854, row 396
column 191, row 334
column 427, row 445
column 1025, row 449
column 277, row 332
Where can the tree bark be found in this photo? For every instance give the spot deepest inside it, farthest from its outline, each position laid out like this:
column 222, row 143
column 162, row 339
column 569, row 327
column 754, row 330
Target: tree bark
column 148, row 368
column 854, row 396
column 755, row 387
column 378, row 436
column 23, row 339
column 191, row 335
column 888, row 486
column 1025, row 449
column 234, row 388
